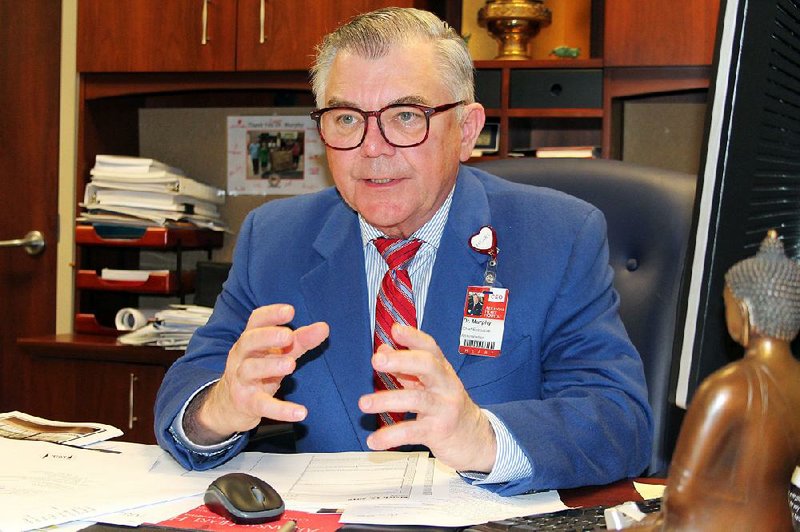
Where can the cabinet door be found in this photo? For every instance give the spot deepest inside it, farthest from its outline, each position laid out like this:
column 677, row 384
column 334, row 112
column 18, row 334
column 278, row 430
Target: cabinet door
column 281, row 34
column 156, row 35
column 122, row 395
column 660, row 32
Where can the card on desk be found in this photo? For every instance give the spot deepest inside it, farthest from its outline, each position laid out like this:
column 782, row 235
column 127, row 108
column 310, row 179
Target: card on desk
column 201, row 518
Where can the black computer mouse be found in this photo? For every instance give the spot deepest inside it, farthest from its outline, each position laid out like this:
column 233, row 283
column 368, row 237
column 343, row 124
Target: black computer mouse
column 243, row 499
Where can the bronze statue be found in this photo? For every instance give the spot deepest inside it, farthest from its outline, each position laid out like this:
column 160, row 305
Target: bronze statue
column 740, row 439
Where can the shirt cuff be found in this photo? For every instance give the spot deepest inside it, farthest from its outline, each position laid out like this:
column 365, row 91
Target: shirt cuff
column 183, row 440
column 510, row 462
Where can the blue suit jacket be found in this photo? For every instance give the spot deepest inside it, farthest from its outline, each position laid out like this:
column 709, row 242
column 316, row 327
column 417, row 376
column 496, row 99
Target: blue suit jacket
column 568, row 384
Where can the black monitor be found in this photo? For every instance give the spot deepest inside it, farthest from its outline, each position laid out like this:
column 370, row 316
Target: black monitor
column 750, row 178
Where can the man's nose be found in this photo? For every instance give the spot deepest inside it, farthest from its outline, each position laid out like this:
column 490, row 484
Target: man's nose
column 374, row 143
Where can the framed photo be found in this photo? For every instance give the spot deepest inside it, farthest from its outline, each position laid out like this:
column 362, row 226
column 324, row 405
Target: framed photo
column 275, row 155
column 488, row 139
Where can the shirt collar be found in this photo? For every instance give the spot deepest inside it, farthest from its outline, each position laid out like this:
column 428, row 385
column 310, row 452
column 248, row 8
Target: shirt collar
column 430, row 233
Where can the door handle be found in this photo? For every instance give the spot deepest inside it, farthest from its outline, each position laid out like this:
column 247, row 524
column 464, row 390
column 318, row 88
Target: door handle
column 33, row 243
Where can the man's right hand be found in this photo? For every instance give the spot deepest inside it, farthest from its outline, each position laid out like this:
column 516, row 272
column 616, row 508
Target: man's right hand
column 263, row 355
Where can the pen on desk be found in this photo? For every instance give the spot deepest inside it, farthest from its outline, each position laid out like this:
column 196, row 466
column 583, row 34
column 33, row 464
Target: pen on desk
column 288, row 526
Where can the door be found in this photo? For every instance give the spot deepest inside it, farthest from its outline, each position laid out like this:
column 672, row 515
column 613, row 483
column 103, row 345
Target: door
column 30, row 48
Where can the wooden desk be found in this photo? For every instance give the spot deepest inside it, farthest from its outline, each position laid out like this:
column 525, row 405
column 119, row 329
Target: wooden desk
column 609, row 495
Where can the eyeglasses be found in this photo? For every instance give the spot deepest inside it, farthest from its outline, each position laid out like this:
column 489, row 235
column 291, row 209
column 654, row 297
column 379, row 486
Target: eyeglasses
column 403, row 125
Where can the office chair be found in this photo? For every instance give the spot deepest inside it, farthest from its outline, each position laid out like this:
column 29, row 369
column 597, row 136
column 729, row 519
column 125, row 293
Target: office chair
column 649, row 216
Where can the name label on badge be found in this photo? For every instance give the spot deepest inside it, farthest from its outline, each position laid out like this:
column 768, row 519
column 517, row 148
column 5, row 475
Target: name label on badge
column 484, row 321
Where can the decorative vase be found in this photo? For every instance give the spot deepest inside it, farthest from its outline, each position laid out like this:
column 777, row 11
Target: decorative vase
column 513, row 23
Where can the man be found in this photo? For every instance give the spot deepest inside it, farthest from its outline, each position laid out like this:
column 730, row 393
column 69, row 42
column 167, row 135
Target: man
column 475, row 304
column 291, row 339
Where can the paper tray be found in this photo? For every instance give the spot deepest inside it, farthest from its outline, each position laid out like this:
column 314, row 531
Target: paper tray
column 155, row 284
column 154, row 237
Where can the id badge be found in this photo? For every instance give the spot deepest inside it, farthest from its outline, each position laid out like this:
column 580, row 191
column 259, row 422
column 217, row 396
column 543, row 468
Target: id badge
column 484, row 321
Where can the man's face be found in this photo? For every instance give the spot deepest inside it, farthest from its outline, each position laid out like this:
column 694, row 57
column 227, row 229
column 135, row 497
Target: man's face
column 398, row 190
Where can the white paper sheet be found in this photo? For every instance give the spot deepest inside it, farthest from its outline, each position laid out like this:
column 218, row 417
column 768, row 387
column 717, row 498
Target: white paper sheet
column 130, row 486
column 447, row 500
column 44, row 484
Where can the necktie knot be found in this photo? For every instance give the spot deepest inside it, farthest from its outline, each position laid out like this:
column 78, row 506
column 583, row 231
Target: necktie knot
column 396, row 252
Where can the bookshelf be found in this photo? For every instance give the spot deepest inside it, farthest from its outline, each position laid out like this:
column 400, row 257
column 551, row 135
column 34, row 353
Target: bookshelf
column 538, row 103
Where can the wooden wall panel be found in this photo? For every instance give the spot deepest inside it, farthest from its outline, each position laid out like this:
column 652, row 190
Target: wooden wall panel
column 660, row 32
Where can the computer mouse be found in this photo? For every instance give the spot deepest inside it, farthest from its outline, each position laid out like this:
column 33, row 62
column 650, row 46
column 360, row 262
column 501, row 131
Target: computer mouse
column 243, row 499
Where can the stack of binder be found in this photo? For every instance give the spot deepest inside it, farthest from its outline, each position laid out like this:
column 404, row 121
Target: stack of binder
column 143, row 192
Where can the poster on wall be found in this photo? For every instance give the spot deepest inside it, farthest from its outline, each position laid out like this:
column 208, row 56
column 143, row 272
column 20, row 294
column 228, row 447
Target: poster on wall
column 275, row 155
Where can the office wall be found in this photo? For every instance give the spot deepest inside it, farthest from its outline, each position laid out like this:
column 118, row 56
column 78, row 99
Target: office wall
column 195, row 140
column 68, row 124
column 664, row 134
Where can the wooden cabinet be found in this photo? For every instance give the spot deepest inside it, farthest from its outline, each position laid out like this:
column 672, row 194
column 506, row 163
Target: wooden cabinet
column 285, row 36
column 156, row 35
column 655, row 49
column 92, row 378
column 542, row 103
column 652, row 47
column 207, row 35
column 659, row 32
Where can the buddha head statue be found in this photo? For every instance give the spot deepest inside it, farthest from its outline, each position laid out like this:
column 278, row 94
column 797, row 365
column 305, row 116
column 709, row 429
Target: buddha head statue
column 762, row 294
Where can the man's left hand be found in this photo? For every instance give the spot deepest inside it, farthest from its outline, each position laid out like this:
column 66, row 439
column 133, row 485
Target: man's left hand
column 448, row 422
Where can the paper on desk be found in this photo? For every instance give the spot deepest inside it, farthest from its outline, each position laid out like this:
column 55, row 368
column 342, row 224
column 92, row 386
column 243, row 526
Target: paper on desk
column 447, row 500
column 21, row 426
column 649, row 491
column 309, row 482
column 372, row 487
column 43, row 484
column 385, row 487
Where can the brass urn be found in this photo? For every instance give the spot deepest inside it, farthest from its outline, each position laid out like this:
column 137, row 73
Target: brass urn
column 513, row 23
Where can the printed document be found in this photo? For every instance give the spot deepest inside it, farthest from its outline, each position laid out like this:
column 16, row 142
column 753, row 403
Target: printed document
column 20, row 426
column 114, row 482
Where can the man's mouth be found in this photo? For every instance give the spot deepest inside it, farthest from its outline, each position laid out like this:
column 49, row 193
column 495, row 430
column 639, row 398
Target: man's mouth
column 381, row 181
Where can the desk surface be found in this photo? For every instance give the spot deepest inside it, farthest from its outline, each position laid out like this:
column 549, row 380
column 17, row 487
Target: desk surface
column 615, row 493
column 609, row 495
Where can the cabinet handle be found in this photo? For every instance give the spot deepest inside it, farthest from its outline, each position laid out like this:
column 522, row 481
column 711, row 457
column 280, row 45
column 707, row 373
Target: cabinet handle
column 204, row 38
column 262, row 15
column 131, row 417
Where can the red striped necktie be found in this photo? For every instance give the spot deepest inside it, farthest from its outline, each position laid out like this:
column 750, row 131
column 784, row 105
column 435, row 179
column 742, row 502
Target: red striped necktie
column 395, row 304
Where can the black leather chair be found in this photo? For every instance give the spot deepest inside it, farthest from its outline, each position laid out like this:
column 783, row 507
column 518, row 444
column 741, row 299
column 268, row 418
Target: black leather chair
column 649, row 215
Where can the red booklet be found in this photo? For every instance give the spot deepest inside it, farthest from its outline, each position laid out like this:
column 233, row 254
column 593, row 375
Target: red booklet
column 201, row 518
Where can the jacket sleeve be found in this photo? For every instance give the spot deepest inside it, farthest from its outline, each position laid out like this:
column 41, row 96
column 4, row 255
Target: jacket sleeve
column 204, row 360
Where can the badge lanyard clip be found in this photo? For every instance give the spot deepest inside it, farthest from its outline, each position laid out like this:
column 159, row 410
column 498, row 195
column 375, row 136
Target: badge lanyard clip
column 485, row 242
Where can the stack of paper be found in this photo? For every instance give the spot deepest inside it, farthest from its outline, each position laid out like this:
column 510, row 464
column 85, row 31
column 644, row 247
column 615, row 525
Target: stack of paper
column 172, row 328
column 144, row 192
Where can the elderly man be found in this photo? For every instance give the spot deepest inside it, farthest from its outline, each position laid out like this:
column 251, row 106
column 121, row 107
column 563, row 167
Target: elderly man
column 344, row 312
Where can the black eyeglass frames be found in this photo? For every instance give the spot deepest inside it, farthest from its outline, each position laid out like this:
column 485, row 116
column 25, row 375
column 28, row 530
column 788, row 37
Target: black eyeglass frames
column 403, row 125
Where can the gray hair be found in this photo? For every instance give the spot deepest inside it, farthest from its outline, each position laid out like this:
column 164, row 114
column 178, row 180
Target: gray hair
column 769, row 283
column 372, row 35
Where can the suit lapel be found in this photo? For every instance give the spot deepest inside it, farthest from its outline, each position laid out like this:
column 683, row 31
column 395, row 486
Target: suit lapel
column 457, row 266
column 335, row 292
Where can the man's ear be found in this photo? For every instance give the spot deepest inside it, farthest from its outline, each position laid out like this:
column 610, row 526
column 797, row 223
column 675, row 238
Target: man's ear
column 471, row 126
